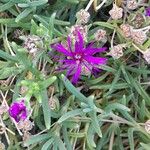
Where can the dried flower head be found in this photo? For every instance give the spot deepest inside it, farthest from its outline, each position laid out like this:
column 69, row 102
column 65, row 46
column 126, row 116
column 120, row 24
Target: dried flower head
column 138, row 20
column 100, row 35
column 139, row 36
column 52, row 103
column 74, row 32
column 26, row 136
column 25, row 125
column 17, row 33
column 78, row 57
column 116, row 12
column 30, row 43
column 18, row 111
column 2, row 146
column 116, row 52
column 126, row 29
column 82, row 16
column 132, row 4
column 147, row 11
column 3, row 108
column 147, row 126
column 146, row 55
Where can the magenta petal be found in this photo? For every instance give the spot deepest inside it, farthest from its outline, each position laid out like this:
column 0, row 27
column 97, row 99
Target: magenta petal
column 92, row 50
column 69, row 43
column 61, row 49
column 95, row 60
column 77, row 47
column 76, row 75
column 68, row 61
column 70, row 71
column 18, row 111
column 81, row 43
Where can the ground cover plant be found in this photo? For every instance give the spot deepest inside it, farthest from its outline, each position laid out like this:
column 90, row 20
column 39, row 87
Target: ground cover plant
column 75, row 74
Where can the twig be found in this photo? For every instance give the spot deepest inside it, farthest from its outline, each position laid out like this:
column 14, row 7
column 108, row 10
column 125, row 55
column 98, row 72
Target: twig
column 111, row 141
column 112, row 40
column 89, row 5
column 100, row 5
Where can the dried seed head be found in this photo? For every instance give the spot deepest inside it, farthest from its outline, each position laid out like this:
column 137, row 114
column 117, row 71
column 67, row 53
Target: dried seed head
column 100, row 35
column 146, row 55
column 52, row 103
column 132, row 4
column 126, row 29
column 82, row 16
column 147, row 126
column 25, row 125
column 116, row 12
column 78, row 28
column 26, row 136
column 116, row 52
column 17, row 33
column 3, row 108
column 2, row 146
column 31, row 43
column 138, row 20
column 138, row 36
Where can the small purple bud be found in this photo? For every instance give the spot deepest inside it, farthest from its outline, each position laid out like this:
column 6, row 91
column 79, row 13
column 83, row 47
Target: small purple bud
column 148, row 11
column 18, row 111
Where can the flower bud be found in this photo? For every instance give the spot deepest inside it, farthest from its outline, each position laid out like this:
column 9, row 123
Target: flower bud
column 116, row 52
column 100, row 35
column 126, row 29
column 116, row 12
column 132, row 4
column 139, row 36
column 82, row 16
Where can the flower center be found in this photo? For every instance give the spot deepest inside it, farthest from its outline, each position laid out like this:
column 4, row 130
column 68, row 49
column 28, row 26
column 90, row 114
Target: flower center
column 77, row 56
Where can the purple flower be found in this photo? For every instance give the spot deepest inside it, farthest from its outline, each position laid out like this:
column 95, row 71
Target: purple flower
column 148, row 11
column 79, row 57
column 18, row 111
